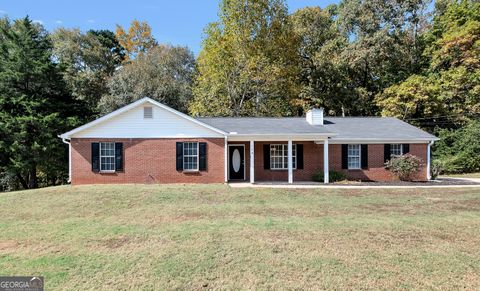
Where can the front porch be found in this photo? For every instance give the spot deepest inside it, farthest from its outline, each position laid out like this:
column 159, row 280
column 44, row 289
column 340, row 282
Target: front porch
column 276, row 160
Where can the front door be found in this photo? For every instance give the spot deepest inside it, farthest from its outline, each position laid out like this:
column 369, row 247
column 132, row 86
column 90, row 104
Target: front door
column 236, row 159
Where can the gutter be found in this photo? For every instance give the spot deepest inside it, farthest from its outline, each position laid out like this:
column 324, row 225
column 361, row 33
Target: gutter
column 69, row 159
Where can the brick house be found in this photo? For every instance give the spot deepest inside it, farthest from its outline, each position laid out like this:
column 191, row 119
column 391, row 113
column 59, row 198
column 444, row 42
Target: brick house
column 149, row 142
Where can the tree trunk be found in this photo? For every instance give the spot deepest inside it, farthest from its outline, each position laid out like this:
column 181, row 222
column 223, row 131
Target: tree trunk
column 22, row 181
column 32, row 179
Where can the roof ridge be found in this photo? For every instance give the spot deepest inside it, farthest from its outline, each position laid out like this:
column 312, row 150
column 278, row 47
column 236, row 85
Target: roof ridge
column 297, row 117
column 242, row 117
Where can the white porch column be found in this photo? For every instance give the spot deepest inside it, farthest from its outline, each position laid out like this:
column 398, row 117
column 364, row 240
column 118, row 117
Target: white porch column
column 325, row 162
column 429, row 175
column 290, row 162
column 252, row 161
column 225, row 166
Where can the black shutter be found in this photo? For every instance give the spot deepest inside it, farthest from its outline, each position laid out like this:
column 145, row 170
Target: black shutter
column 386, row 153
column 202, row 148
column 179, row 156
column 118, row 156
column 406, row 148
column 364, row 154
column 344, row 156
column 299, row 156
column 266, row 156
column 95, row 156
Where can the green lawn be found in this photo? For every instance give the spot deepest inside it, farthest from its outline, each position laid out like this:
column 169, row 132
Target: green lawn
column 466, row 175
column 215, row 237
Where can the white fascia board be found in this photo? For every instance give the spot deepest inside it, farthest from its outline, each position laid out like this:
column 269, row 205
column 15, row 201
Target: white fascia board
column 134, row 105
column 278, row 137
column 148, row 137
column 378, row 141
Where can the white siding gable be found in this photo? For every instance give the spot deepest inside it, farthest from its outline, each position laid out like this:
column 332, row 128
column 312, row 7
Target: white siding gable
column 132, row 124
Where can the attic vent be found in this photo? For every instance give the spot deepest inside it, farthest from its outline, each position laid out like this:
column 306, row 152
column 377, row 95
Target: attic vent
column 147, row 112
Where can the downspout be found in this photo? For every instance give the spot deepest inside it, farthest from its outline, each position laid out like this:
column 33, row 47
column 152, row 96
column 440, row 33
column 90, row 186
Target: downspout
column 225, row 164
column 429, row 175
column 69, row 159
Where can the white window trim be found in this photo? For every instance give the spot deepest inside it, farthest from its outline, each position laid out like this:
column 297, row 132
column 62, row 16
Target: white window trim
column 284, row 158
column 100, row 157
column 359, row 157
column 401, row 148
column 197, row 156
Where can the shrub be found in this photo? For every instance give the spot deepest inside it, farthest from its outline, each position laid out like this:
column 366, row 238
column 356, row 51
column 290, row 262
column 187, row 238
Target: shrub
column 457, row 150
column 333, row 176
column 437, row 168
column 404, row 167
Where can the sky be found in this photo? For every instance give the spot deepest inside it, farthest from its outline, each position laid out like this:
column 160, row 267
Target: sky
column 177, row 22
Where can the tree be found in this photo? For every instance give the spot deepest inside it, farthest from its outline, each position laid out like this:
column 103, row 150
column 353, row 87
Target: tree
column 323, row 72
column 137, row 40
column 415, row 97
column 385, row 45
column 88, row 60
column 457, row 150
column 34, row 106
column 165, row 73
column 447, row 93
column 249, row 62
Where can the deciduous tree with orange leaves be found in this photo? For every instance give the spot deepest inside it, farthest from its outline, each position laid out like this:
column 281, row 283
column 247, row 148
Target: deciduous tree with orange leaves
column 137, row 40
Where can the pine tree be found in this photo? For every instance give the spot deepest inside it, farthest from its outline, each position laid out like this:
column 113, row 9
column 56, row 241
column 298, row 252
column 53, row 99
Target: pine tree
column 33, row 105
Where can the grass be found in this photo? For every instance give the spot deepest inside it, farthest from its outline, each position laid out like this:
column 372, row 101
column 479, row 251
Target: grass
column 215, row 237
column 466, row 175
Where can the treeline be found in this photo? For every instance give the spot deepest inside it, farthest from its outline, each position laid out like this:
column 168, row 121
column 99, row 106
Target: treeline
column 371, row 57
column 360, row 57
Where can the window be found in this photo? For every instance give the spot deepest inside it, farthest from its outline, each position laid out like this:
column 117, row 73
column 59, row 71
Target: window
column 190, row 156
column 279, row 156
column 354, row 156
column 107, row 156
column 396, row 150
column 147, row 112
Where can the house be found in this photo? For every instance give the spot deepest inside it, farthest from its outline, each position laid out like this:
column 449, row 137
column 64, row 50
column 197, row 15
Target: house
column 149, row 142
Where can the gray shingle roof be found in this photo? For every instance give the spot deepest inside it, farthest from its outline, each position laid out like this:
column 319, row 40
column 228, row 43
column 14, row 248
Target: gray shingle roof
column 374, row 128
column 387, row 128
column 264, row 125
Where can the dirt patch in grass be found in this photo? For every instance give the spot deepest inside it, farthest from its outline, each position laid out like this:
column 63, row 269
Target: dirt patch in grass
column 459, row 205
column 113, row 243
column 8, row 244
column 414, row 207
column 390, row 208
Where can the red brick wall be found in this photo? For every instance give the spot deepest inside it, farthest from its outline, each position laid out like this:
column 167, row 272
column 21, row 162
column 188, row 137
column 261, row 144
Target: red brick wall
column 376, row 170
column 147, row 161
column 154, row 161
column 313, row 161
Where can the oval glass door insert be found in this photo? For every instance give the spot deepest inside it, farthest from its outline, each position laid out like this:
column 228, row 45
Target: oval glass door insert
column 236, row 160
